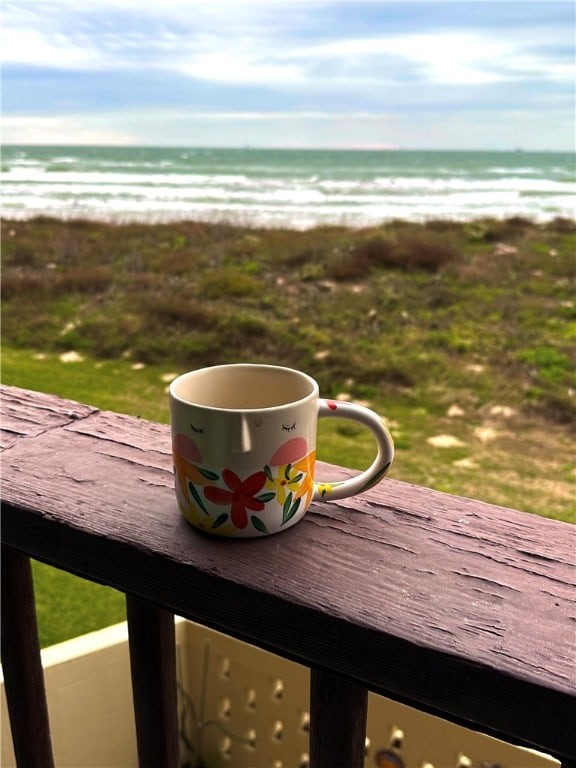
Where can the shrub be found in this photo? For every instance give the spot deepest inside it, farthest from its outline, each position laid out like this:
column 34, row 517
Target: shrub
column 102, row 336
column 559, row 407
column 20, row 256
column 428, row 251
column 241, row 330
column 551, row 365
column 503, row 229
column 23, row 284
column 410, row 250
column 301, row 258
column 89, row 280
column 177, row 310
column 230, row 283
column 443, row 225
column 562, row 225
column 361, row 259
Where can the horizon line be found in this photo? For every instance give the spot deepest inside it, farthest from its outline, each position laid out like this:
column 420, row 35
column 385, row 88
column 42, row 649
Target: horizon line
column 286, row 148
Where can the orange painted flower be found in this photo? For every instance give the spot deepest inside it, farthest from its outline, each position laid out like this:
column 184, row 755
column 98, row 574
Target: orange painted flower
column 190, row 473
column 307, row 465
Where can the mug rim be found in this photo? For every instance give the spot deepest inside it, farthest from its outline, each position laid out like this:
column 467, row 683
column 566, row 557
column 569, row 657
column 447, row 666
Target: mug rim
column 313, row 394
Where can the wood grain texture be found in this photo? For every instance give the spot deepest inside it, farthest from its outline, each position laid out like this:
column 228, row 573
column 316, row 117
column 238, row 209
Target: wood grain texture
column 152, row 642
column 28, row 414
column 22, row 664
column 461, row 608
column 338, row 712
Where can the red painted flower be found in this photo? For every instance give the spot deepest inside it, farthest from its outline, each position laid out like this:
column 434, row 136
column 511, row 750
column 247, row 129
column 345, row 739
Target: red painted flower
column 240, row 497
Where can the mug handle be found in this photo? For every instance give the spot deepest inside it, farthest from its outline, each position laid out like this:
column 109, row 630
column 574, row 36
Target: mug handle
column 379, row 467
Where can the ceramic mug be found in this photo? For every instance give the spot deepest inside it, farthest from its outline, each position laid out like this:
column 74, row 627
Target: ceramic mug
column 244, row 448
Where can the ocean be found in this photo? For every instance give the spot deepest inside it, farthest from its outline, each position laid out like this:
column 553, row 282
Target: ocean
column 297, row 189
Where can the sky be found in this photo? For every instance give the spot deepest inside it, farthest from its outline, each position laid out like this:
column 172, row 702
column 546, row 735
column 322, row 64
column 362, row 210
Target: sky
column 362, row 74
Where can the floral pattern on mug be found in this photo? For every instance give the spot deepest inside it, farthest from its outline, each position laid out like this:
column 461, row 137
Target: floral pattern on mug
column 187, row 472
column 324, row 489
column 199, row 519
column 288, row 479
column 289, row 487
column 240, row 495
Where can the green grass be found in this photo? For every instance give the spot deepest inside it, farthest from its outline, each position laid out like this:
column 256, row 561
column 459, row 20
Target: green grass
column 113, row 385
column 426, row 323
column 67, row 606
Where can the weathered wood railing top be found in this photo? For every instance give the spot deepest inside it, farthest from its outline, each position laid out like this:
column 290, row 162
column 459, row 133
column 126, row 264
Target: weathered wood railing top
column 460, row 608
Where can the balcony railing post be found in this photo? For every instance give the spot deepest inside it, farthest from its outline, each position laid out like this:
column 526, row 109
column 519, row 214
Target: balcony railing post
column 152, row 641
column 338, row 711
column 22, row 664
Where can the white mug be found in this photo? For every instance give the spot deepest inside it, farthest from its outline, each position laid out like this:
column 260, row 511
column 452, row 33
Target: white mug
column 244, row 448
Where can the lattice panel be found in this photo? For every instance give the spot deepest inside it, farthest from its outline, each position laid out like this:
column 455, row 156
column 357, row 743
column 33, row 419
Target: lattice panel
column 245, row 708
column 240, row 708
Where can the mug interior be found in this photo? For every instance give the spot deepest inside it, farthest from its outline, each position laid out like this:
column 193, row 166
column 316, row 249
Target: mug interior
column 243, row 387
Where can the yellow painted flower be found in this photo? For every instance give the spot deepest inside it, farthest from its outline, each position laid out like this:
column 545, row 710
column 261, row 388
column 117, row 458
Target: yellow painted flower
column 289, row 479
column 194, row 515
column 324, row 489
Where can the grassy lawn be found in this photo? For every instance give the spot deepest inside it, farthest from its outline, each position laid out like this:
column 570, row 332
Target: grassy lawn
column 461, row 335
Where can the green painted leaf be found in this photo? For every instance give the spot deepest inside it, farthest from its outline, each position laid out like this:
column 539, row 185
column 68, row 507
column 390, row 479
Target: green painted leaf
column 376, row 479
column 197, row 497
column 287, row 471
column 286, row 508
column 264, row 497
column 220, row 520
column 268, row 472
column 258, row 524
column 208, row 474
column 298, row 477
column 291, row 512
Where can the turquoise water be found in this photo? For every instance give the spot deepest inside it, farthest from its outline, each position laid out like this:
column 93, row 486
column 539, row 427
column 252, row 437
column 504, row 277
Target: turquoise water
column 293, row 188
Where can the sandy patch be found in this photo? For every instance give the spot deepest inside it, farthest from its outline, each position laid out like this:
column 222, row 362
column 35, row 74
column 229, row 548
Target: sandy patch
column 486, row 434
column 71, row 357
column 503, row 249
column 502, row 410
column 465, row 464
column 345, row 396
column 70, row 326
column 445, row 441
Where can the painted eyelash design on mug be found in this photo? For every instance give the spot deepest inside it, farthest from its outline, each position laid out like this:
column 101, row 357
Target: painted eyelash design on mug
column 197, row 430
column 289, row 427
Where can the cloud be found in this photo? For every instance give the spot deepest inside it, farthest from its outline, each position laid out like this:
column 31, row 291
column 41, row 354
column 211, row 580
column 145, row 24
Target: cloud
column 39, row 129
column 281, row 63
column 236, row 63
column 186, row 127
column 468, row 129
column 275, row 42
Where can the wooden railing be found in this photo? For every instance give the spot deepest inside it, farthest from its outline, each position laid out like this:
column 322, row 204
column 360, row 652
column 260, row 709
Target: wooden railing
column 456, row 607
